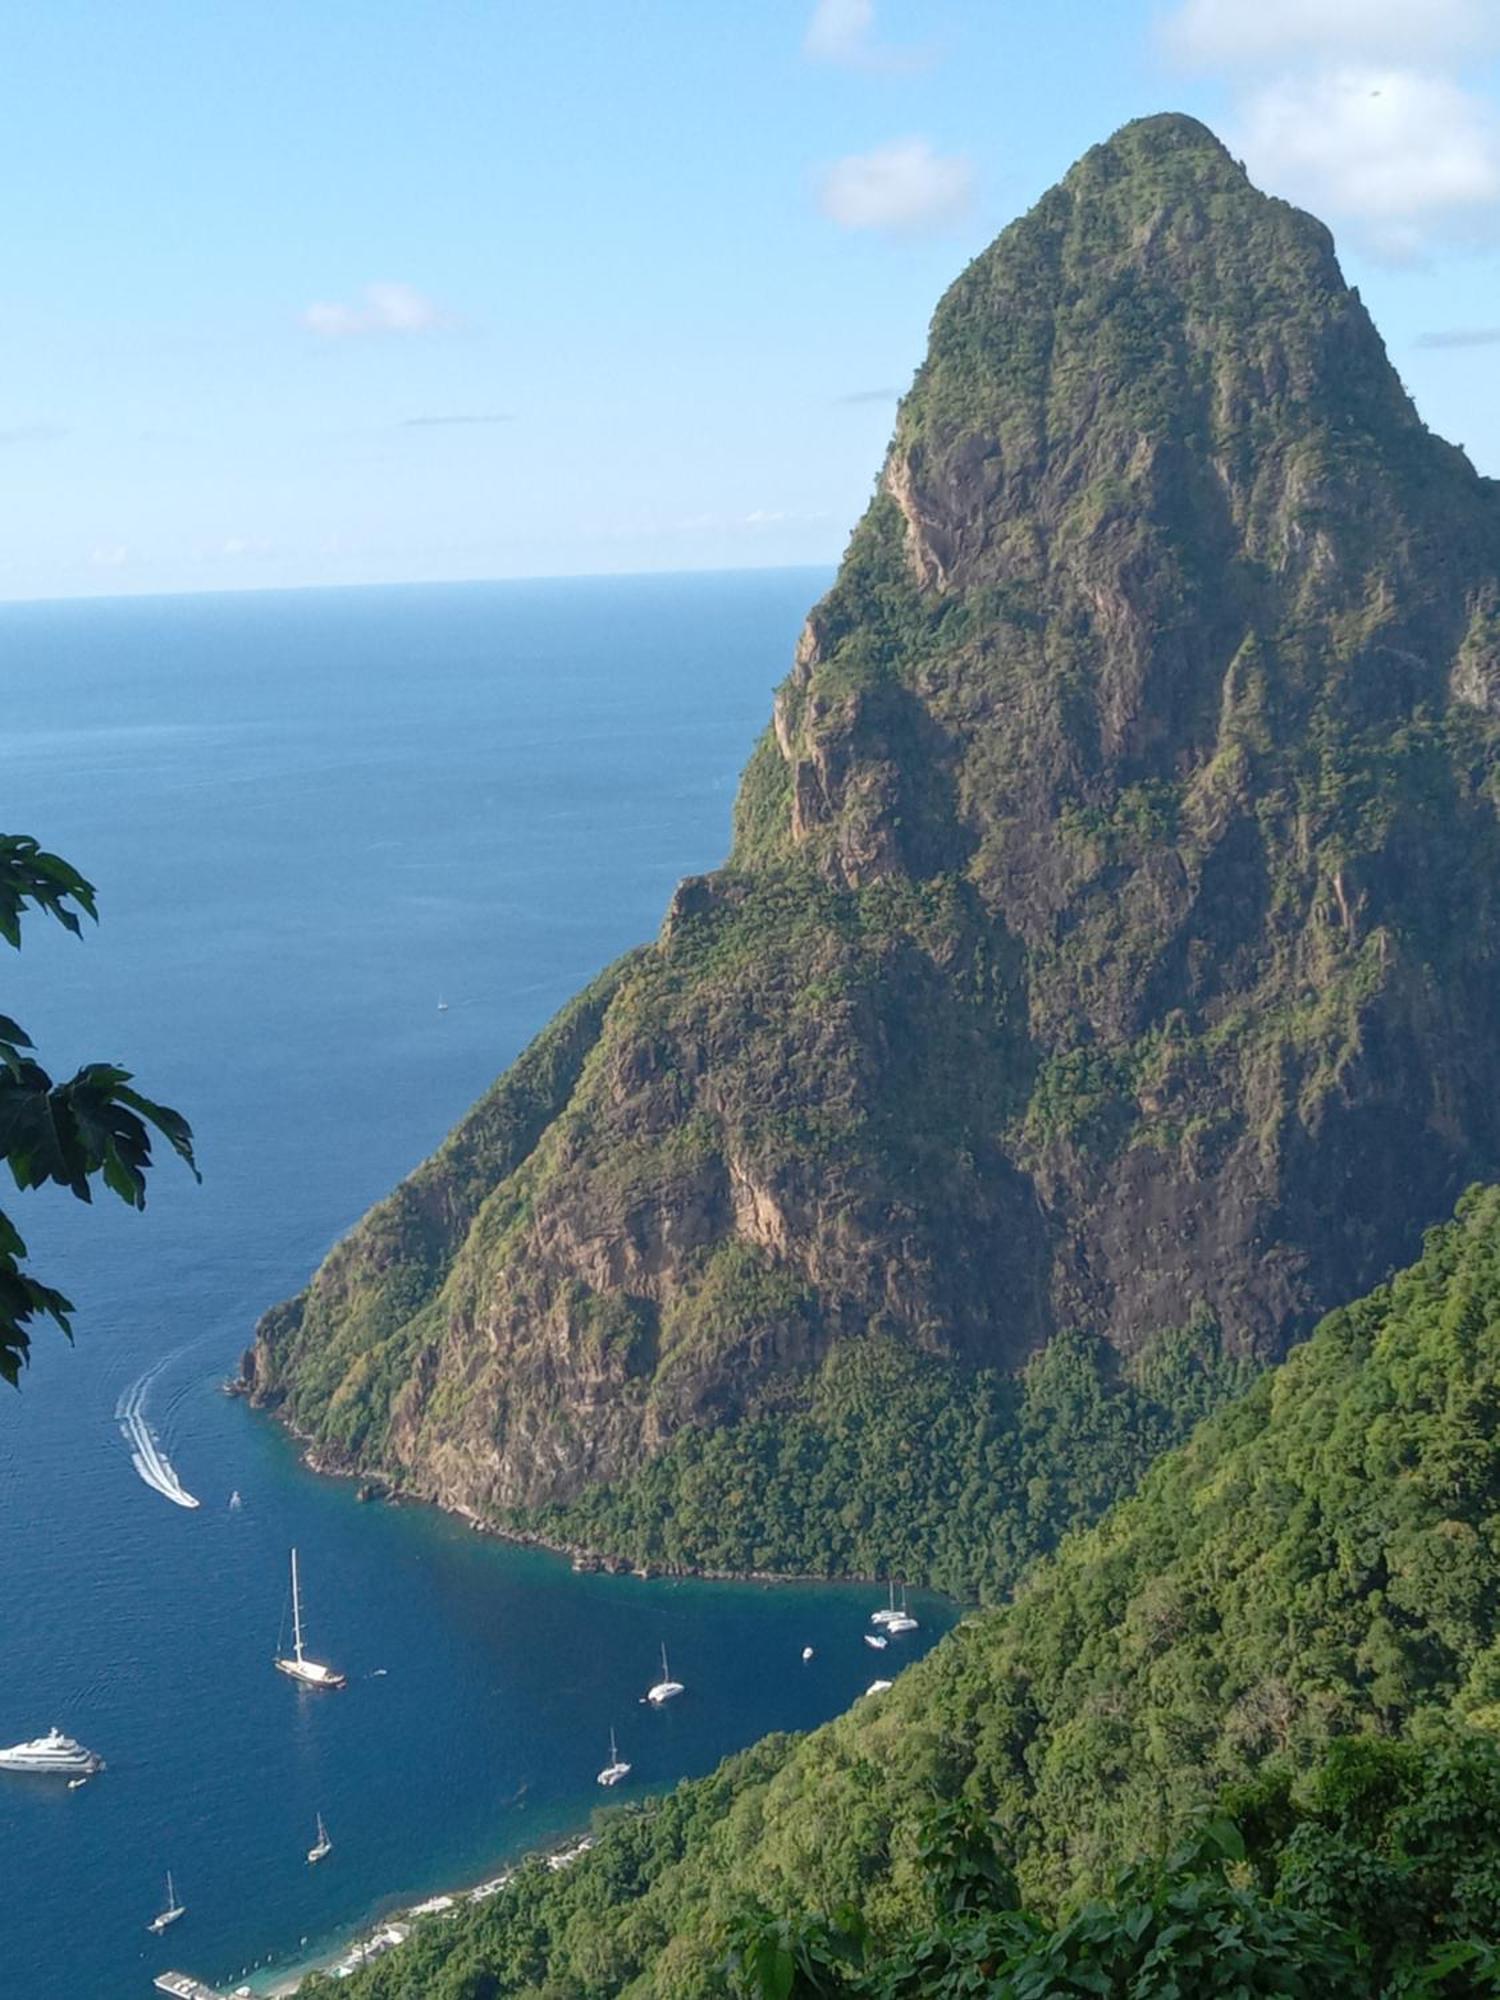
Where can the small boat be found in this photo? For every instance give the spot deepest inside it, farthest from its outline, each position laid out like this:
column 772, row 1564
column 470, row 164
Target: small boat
column 442, row 1006
column 807, row 1652
column 666, row 1688
column 76, row 1784
column 52, row 1755
column 234, row 1499
column 877, row 1640
column 322, row 1846
column 170, row 1913
column 877, row 1687
column 311, row 1673
column 616, row 1768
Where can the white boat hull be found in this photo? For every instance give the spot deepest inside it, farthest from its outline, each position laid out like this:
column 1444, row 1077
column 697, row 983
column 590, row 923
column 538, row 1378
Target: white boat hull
column 311, row 1673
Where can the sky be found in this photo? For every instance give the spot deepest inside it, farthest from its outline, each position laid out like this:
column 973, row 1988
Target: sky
column 365, row 291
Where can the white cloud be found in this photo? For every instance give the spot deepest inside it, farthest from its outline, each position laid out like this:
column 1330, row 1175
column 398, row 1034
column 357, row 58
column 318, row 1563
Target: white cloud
column 1222, row 33
column 843, row 32
column 904, row 187
column 1406, row 157
column 386, row 307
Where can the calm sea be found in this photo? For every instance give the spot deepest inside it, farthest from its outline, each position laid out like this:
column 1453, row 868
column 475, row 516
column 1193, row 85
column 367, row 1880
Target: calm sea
column 310, row 816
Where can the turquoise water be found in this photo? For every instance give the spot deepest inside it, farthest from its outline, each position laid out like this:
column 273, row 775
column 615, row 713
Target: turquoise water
column 308, row 816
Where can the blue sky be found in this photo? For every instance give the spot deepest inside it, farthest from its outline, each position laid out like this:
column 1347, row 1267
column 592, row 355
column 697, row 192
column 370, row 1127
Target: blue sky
column 347, row 291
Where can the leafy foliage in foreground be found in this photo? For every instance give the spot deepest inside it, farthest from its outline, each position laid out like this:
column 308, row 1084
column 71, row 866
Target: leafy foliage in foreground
column 94, row 1125
column 1297, row 1614
column 912, row 1466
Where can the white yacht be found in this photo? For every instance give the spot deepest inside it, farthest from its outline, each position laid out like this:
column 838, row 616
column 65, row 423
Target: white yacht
column 666, row 1688
column 170, row 1911
column 807, row 1652
column 878, row 1687
column 616, row 1768
column 53, row 1755
column 311, row 1673
column 322, row 1846
column 878, row 1640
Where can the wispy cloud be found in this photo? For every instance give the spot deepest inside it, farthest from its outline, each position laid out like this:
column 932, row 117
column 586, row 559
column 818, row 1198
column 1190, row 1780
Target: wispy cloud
column 869, row 396
column 904, row 188
column 1360, row 110
column 1461, row 336
column 843, row 32
column 31, row 433
column 386, row 307
column 1224, row 33
column 1409, row 159
column 445, row 423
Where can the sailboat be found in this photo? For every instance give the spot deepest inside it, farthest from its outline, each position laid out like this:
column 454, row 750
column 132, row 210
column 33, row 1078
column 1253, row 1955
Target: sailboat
column 887, row 1611
column 902, row 1620
column 666, row 1687
column 172, row 1911
column 322, row 1846
column 614, row 1770
column 311, row 1673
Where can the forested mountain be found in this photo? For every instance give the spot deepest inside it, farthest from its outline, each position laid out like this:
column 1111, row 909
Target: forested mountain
column 1296, row 1617
column 1108, row 947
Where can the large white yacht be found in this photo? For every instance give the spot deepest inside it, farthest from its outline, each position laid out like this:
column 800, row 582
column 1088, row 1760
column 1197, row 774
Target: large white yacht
column 53, row 1753
column 312, row 1673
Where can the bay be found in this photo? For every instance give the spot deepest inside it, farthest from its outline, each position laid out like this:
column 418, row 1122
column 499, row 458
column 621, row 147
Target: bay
column 310, row 816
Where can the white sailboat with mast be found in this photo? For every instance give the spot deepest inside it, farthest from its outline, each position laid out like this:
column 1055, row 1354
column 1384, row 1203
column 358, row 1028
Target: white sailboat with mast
column 322, row 1846
column 616, row 1768
column 666, row 1688
column 170, row 1912
column 311, row 1673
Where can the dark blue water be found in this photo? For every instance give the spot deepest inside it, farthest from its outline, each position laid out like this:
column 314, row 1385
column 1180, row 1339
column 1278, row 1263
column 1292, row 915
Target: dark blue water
column 308, row 816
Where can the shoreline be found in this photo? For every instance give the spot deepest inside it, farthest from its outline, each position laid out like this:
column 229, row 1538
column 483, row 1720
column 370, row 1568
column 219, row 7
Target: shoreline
column 385, row 1488
column 381, row 1935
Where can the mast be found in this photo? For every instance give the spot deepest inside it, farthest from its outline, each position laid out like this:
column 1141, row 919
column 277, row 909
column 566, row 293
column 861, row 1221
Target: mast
column 171, row 1892
column 614, row 1755
column 296, row 1614
column 666, row 1671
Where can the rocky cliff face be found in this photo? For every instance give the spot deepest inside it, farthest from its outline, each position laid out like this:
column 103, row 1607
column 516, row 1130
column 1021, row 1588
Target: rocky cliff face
column 1111, row 932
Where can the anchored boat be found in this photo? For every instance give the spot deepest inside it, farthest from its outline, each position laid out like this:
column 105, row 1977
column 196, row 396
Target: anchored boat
column 311, row 1673
column 616, row 1768
column 322, row 1846
column 52, row 1755
column 170, row 1913
column 666, row 1688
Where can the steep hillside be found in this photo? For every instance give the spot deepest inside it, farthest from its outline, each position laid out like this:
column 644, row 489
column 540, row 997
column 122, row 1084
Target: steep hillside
column 1110, row 937
column 1317, row 1569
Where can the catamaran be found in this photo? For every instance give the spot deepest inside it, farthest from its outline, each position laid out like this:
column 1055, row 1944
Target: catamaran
column 666, row 1687
column 322, row 1845
column 887, row 1612
column 52, row 1755
column 311, row 1673
column 902, row 1620
column 170, row 1913
column 615, row 1769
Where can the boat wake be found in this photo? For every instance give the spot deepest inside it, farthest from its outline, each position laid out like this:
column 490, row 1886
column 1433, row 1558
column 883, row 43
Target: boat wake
column 146, row 1454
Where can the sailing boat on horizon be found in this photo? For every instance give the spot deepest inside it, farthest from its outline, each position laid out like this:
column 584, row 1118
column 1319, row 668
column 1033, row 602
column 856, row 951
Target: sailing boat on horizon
column 322, row 1846
column 311, row 1673
column 170, row 1912
column 616, row 1768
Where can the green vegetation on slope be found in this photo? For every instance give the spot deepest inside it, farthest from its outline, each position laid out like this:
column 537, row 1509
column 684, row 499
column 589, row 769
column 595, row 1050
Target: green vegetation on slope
column 1320, row 1563
column 911, row 1466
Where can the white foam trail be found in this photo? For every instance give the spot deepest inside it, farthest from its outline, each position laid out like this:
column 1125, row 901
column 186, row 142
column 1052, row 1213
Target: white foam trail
column 146, row 1455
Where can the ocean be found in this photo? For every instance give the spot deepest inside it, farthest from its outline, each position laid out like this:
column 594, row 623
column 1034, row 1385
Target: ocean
column 310, row 817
